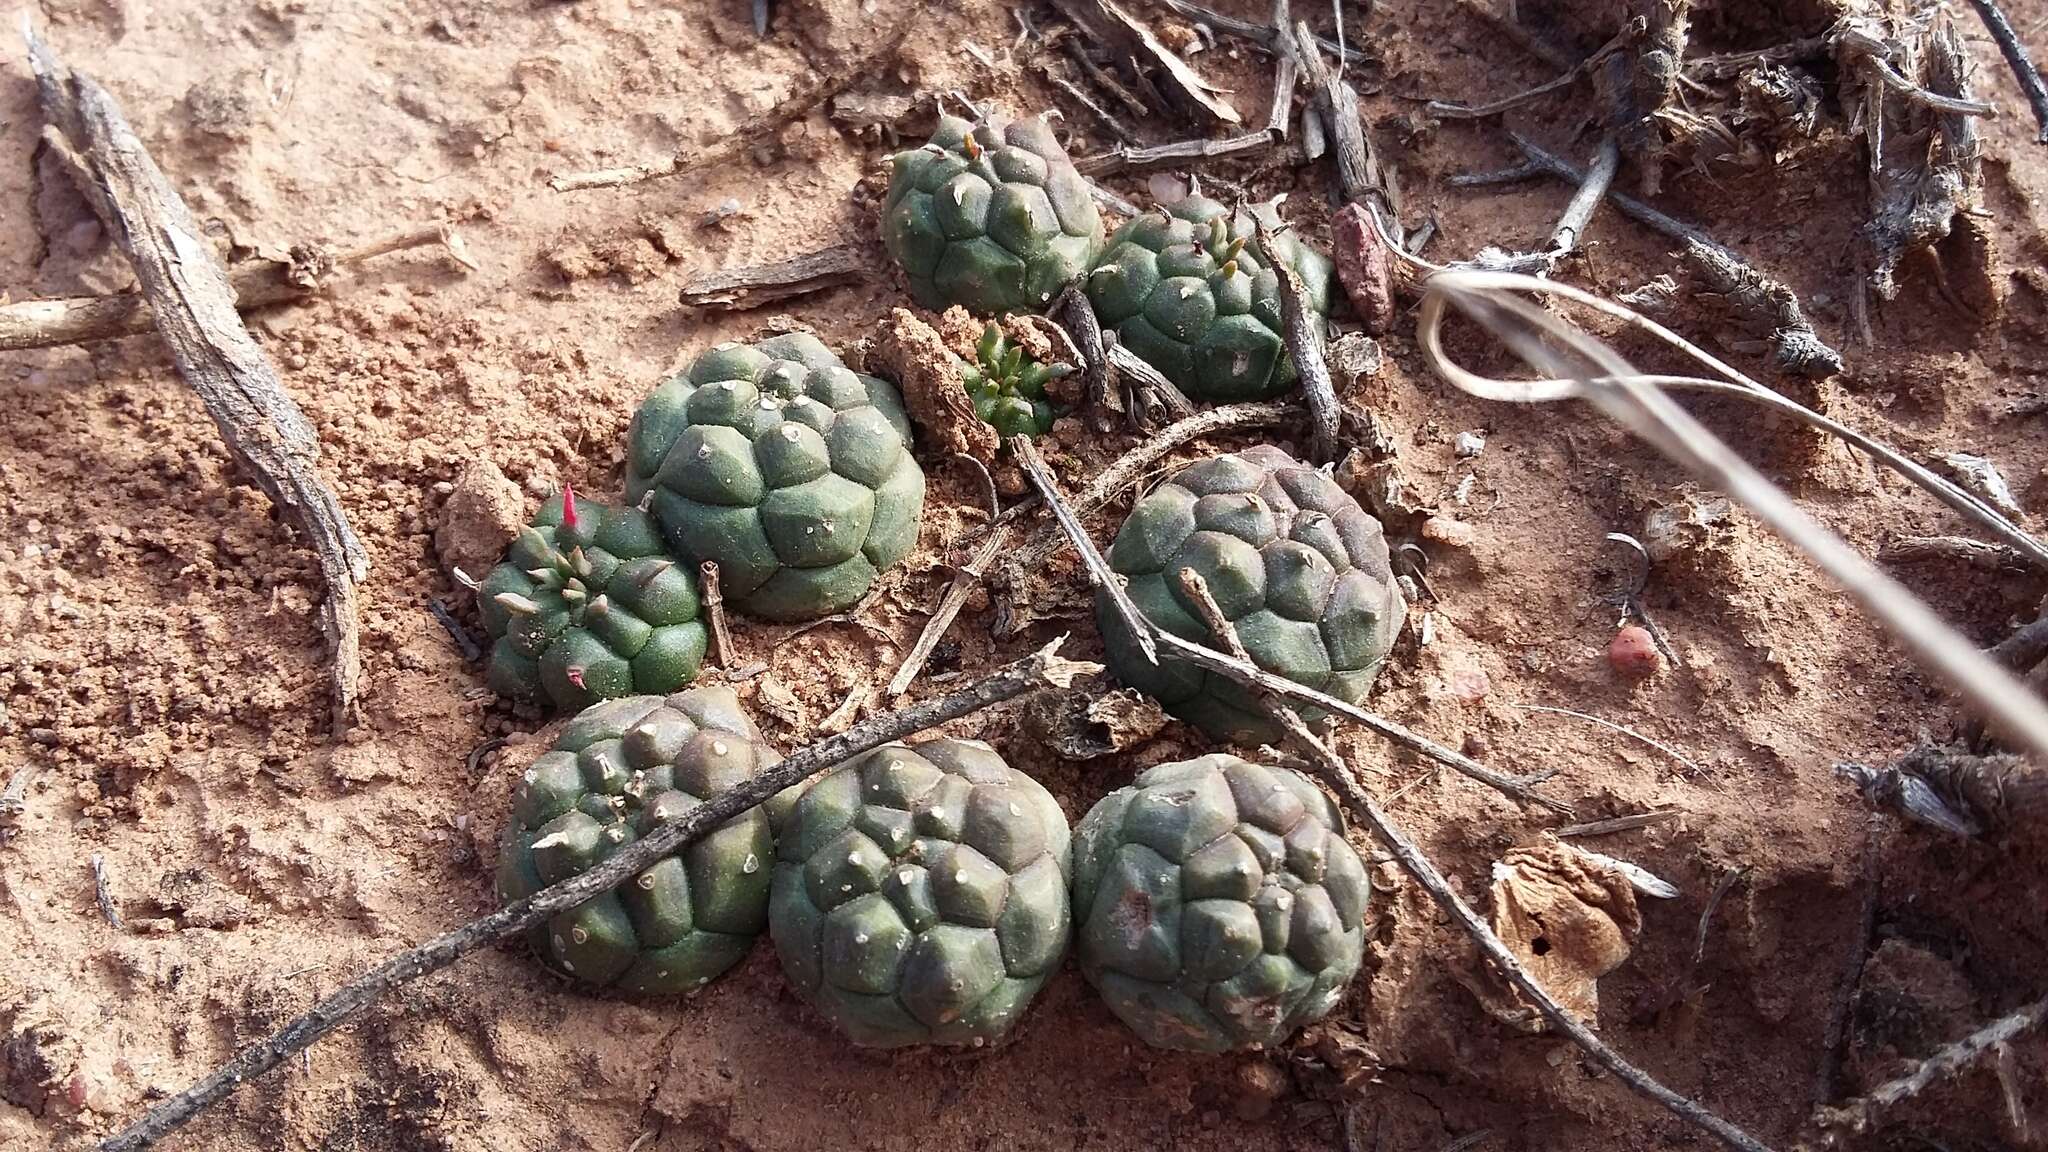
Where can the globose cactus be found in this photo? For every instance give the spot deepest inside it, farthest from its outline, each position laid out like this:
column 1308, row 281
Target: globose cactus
column 1191, row 290
column 789, row 470
column 618, row 770
column 587, row 606
column 990, row 216
column 920, row 894
column 1008, row 387
column 1217, row 904
column 1294, row 563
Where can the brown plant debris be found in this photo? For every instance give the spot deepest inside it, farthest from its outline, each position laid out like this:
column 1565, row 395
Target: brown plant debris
column 1567, row 918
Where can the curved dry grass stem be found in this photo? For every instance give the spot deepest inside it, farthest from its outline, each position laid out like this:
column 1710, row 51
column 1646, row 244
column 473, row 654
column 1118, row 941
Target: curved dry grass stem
column 1574, row 365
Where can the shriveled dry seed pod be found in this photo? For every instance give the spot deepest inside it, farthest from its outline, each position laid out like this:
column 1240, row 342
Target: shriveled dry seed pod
column 1296, row 565
column 790, row 471
column 588, row 606
column 990, row 216
column 1217, row 904
column 921, row 894
column 618, row 770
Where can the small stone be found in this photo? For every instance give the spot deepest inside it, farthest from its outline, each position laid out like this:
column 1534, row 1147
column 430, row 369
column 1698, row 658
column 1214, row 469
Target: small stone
column 482, row 514
column 1469, row 445
column 1449, row 533
column 1633, row 653
column 1260, row 1086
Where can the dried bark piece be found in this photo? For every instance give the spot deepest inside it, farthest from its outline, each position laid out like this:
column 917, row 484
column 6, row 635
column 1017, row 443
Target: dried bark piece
column 1569, row 920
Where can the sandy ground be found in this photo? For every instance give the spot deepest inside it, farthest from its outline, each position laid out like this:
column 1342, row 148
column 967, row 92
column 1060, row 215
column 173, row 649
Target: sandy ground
column 161, row 664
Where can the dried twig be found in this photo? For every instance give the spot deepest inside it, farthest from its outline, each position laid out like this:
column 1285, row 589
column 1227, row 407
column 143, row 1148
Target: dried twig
column 1072, row 312
column 1099, row 573
column 714, row 614
column 1961, row 549
column 1658, row 66
column 737, row 289
column 2024, row 648
column 811, row 90
column 2017, row 59
column 1513, row 29
column 949, row 607
column 1042, row 544
column 1336, row 103
column 1109, row 23
column 1126, row 157
column 1451, row 110
column 194, row 307
column 1266, row 36
column 256, row 283
column 1148, row 385
column 1044, row 668
column 102, row 896
column 1615, row 824
column 1341, row 779
column 1613, row 727
column 1861, row 1114
column 1576, row 366
column 1305, row 346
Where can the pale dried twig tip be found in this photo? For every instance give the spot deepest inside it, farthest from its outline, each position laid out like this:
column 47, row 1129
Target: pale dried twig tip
column 1574, row 365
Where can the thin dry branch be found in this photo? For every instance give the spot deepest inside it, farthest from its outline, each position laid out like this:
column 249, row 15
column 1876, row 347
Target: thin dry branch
column 1576, row 366
column 1341, row 779
column 955, row 598
column 1109, row 23
column 738, row 289
column 1861, row 1114
column 1264, row 35
column 1658, row 66
column 1304, row 342
column 1099, row 573
column 714, row 615
column 1044, row 668
column 811, row 90
column 1336, row 103
column 2017, row 58
column 193, row 305
column 256, row 283
column 1042, row 544
column 1451, row 110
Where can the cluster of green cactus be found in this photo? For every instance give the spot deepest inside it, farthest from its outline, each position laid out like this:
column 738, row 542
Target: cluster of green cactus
column 1008, row 387
column 924, row 894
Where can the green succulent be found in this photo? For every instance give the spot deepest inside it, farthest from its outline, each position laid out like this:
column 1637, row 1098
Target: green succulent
column 791, row 472
column 1190, row 288
column 587, row 606
column 990, row 216
column 920, row 894
column 1217, row 904
column 1295, row 564
column 1008, row 387
column 619, row 770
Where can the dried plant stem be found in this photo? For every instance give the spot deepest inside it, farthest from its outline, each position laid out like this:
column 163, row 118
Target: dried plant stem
column 1341, row 779
column 1576, row 366
column 1305, row 346
column 1451, row 110
column 1099, row 573
column 2016, row 58
column 1861, row 1114
column 1266, row 36
column 714, row 613
column 949, row 607
column 737, row 289
column 811, row 90
column 1048, row 539
column 1613, row 727
column 193, row 304
column 1042, row 669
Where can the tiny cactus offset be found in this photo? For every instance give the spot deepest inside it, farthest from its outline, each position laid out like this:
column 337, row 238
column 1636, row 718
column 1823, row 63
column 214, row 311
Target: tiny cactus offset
column 1008, row 387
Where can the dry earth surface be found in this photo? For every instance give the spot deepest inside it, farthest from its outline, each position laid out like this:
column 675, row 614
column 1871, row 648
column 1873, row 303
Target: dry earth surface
column 161, row 661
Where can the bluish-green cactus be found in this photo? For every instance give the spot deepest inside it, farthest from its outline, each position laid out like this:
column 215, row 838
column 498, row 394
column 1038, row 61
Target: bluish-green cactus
column 789, row 470
column 1295, row 564
column 990, row 216
column 1190, row 289
column 920, row 894
column 588, row 606
column 1217, row 904
column 619, row 770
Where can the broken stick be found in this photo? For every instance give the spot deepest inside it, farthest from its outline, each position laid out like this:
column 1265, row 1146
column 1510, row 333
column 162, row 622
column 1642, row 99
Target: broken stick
column 194, row 307
column 738, row 289
column 2018, row 59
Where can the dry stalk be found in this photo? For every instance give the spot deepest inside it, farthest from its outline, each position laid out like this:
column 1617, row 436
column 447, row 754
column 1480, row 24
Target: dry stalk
column 1861, row 1114
column 193, row 304
column 714, row 613
column 1576, row 366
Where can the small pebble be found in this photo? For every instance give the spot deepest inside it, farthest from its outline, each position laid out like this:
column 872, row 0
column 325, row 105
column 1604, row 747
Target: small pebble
column 1633, row 653
column 1468, row 445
